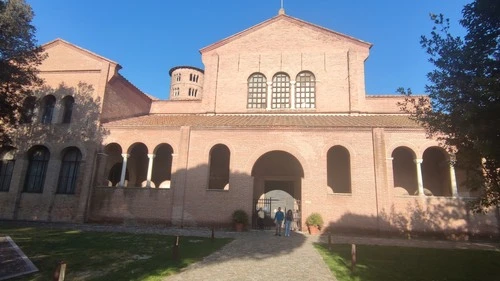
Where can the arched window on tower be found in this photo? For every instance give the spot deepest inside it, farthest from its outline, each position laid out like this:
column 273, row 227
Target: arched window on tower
column 37, row 169
column 48, row 104
column 281, row 91
column 305, row 90
column 219, row 167
column 69, row 171
column 257, row 91
column 67, row 104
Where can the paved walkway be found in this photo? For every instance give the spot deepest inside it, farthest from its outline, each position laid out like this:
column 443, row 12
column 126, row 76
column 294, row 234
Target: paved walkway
column 259, row 255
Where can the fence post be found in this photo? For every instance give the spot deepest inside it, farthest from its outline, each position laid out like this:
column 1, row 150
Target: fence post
column 329, row 241
column 213, row 234
column 353, row 257
column 60, row 272
column 175, row 250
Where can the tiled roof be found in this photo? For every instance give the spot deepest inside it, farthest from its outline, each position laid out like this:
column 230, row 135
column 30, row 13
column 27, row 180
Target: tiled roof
column 266, row 121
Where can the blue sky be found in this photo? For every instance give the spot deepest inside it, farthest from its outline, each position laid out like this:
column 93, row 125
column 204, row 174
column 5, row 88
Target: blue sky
column 149, row 37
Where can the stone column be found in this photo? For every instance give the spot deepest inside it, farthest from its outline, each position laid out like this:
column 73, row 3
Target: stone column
column 420, row 181
column 292, row 94
column 150, row 169
column 124, row 169
column 453, row 179
column 269, row 94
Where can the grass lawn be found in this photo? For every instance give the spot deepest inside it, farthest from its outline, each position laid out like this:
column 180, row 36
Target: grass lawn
column 386, row 263
column 107, row 256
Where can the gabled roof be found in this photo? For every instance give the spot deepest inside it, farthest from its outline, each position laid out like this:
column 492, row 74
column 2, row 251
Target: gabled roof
column 277, row 18
column 249, row 121
column 61, row 41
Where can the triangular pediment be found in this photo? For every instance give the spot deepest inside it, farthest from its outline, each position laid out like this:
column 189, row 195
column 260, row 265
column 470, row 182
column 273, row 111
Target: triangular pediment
column 62, row 54
column 286, row 22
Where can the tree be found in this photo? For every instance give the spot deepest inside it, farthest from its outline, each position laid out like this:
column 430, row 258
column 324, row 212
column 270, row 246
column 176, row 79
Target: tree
column 19, row 57
column 463, row 111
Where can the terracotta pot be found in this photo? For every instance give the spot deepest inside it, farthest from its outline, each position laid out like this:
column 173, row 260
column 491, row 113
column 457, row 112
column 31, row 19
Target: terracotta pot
column 239, row 227
column 313, row 230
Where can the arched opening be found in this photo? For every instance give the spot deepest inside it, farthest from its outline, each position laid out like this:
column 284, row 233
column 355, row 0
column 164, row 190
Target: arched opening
column 68, row 174
column 7, row 161
column 277, row 183
column 219, row 167
column 404, row 171
column 38, row 158
column 162, row 166
column 339, row 169
column 436, row 171
column 138, row 164
column 67, row 106
column 114, row 163
column 48, row 105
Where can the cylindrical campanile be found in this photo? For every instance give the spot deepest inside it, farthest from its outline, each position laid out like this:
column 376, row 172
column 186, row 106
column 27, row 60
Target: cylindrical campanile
column 186, row 83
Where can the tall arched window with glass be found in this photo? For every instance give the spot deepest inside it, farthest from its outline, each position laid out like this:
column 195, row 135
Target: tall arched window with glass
column 37, row 169
column 67, row 103
column 48, row 103
column 257, row 91
column 305, row 90
column 281, row 91
column 69, row 171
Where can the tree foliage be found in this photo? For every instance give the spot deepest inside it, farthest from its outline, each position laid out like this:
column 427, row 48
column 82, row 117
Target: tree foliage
column 463, row 111
column 19, row 57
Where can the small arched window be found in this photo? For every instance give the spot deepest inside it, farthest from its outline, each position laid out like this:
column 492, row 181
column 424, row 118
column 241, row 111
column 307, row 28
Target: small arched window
column 219, row 167
column 281, row 91
column 48, row 104
column 67, row 104
column 37, row 169
column 257, row 91
column 69, row 171
column 305, row 90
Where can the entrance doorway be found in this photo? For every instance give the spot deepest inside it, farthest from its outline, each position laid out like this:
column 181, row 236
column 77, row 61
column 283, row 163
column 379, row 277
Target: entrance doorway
column 277, row 183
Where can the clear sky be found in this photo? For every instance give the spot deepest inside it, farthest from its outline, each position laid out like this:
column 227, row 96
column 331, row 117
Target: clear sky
column 149, row 37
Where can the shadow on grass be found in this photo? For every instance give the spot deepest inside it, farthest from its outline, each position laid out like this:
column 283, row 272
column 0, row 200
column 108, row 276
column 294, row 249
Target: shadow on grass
column 402, row 263
column 108, row 256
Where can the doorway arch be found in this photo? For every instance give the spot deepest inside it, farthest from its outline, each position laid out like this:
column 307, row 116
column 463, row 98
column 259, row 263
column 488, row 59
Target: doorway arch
column 277, row 183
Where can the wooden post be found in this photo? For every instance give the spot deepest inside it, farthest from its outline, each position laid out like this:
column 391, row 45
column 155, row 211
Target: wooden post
column 213, row 234
column 353, row 257
column 60, row 272
column 329, row 241
column 175, row 250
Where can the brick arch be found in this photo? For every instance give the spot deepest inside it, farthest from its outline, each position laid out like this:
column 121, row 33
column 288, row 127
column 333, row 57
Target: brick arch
column 412, row 147
column 276, row 147
column 352, row 151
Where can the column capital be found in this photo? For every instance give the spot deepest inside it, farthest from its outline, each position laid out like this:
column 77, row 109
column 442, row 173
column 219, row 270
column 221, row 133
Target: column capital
column 418, row 161
column 125, row 155
column 151, row 155
column 293, row 82
column 269, row 83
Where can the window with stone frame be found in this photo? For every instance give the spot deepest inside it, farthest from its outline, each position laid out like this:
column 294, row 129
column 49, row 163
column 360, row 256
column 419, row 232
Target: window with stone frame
column 219, row 167
column 257, row 91
column 37, row 169
column 305, row 90
column 48, row 105
column 69, row 171
column 6, row 167
column 281, row 91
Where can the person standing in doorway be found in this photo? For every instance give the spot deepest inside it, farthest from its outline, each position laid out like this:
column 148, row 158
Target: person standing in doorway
column 278, row 220
column 288, row 222
column 260, row 218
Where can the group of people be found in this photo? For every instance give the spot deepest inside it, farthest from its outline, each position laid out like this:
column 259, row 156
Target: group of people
column 279, row 217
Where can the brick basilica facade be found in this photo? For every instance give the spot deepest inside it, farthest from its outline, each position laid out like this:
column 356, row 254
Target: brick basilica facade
column 279, row 112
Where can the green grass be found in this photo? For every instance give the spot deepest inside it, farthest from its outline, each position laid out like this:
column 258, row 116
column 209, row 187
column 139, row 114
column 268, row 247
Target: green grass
column 106, row 255
column 386, row 263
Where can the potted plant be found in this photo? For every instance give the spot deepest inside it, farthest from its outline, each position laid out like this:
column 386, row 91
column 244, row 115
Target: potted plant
column 240, row 219
column 314, row 223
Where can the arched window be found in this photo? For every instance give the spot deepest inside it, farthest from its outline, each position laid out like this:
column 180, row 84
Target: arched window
column 37, row 169
column 257, row 91
column 67, row 104
column 404, row 171
column 305, row 90
column 6, row 167
column 339, row 170
column 69, row 171
column 48, row 105
column 281, row 91
column 28, row 110
column 219, row 167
